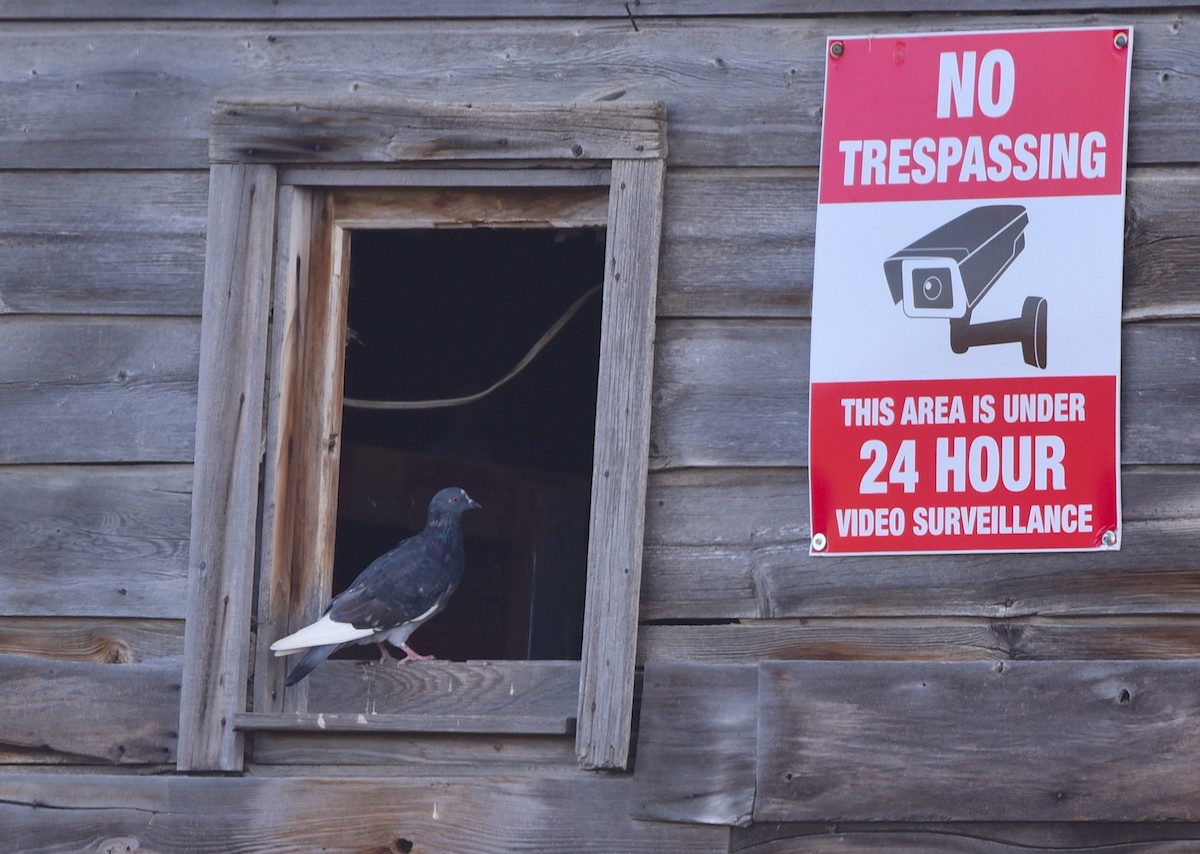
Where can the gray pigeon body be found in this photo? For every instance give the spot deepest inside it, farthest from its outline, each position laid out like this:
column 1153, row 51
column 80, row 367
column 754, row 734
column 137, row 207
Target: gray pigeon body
column 394, row 595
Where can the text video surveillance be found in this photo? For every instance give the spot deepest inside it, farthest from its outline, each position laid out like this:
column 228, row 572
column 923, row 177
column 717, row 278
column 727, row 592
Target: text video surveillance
column 949, row 270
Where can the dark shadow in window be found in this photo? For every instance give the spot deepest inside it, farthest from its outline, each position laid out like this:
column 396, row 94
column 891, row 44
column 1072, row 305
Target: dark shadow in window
column 442, row 313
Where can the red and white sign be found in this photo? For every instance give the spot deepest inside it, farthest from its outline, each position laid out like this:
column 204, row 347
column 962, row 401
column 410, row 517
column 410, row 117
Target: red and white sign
column 967, row 293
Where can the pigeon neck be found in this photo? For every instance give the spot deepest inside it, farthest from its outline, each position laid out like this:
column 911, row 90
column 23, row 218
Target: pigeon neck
column 443, row 527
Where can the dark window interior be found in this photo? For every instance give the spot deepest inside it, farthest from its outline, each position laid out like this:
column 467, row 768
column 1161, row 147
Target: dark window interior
column 441, row 313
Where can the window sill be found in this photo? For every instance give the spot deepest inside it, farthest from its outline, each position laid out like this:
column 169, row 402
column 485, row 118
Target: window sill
column 502, row 697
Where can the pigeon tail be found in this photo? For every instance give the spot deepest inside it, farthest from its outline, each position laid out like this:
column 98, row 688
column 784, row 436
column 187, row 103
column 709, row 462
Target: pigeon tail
column 311, row 659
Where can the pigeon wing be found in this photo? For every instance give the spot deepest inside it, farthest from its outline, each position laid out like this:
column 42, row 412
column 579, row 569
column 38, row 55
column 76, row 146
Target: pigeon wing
column 411, row 582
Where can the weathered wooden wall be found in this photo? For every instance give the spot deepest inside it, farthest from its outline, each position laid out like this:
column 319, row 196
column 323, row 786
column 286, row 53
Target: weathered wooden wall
column 103, row 202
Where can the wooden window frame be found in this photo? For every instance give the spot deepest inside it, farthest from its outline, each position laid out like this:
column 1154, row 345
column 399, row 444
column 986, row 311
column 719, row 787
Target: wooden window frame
column 272, row 166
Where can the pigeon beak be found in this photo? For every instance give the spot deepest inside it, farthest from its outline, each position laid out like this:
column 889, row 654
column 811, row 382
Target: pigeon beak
column 472, row 504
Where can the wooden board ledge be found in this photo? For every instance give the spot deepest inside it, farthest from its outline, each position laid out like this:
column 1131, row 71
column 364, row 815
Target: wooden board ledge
column 360, row 722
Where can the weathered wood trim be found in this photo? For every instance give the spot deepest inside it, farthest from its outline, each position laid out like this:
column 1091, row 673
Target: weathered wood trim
column 697, row 743
column 278, row 613
column 977, row 741
column 586, row 814
column 635, row 135
column 417, row 753
column 89, row 712
column 392, row 131
column 474, row 177
column 619, row 469
column 528, row 689
column 435, row 207
column 360, row 723
column 242, row 205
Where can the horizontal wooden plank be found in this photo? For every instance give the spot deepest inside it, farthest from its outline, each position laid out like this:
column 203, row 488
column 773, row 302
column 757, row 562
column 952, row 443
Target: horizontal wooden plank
column 94, row 540
column 741, row 91
column 925, row 639
column 735, row 393
column 520, row 690
column 361, row 723
column 1013, row 837
column 92, row 390
column 740, row 243
column 394, row 131
column 585, row 813
column 1045, row 741
column 426, row 207
column 104, row 640
column 736, row 242
column 102, row 242
column 406, row 9
column 1153, row 573
column 416, row 753
column 724, row 544
column 108, row 713
column 696, row 745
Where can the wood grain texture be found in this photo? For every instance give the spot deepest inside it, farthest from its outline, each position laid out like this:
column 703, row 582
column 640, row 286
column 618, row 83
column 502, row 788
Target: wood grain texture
column 736, row 242
column 614, row 564
column 745, row 92
column 405, row 723
column 97, row 390
column 94, row 540
column 102, row 242
column 109, row 713
column 517, row 689
column 254, row 815
column 390, row 130
column 739, row 242
column 104, row 640
column 229, row 439
column 925, row 639
column 697, row 743
column 414, row 754
column 724, row 544
column 643, row 10
column 735, row 392
column 440, row 207
column 943, row 741
column 1013, row 837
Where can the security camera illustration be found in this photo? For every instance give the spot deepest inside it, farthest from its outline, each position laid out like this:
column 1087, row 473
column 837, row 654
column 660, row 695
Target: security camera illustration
column 949, row 270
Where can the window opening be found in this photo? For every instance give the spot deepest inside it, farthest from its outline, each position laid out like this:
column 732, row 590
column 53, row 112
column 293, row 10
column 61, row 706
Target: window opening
column 443, row 313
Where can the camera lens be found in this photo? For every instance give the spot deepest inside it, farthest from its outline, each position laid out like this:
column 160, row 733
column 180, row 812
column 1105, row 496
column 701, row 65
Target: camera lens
column 932, row 289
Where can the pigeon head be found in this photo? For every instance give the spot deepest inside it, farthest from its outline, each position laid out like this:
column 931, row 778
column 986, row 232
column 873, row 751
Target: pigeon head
column 451, row 503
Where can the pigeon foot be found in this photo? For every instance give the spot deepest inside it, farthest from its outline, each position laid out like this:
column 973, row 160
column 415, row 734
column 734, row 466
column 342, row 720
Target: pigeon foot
column 411, row 654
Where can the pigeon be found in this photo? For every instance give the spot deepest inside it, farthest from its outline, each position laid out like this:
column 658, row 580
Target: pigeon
column 394, row 595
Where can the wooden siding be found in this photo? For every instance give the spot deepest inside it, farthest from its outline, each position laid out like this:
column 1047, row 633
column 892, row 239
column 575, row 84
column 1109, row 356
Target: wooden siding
column 744, row 92
column 586, row 814
column 104, row 192
column 1060, row 741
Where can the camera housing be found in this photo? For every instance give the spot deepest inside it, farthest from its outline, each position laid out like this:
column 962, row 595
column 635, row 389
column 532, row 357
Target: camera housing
column 946, row 272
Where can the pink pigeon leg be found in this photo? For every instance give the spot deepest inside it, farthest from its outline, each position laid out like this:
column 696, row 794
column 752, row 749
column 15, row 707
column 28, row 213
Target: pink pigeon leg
column 412, row 655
